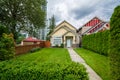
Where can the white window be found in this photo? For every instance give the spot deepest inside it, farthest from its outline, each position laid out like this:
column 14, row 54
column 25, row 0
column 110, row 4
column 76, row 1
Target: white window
column 57, row 41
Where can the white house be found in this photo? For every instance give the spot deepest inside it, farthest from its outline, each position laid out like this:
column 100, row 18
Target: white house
column 65, row 34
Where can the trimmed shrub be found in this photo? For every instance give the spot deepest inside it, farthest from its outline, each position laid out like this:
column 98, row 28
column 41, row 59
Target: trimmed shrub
column 7, row 49
column 62, row 45
column 43, row 71
column 35, row 49
column 115, row 44
column 98, row 42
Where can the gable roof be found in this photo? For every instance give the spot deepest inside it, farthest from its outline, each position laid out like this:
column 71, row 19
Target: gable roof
column 91, row 20
column 68, row 29
column 64, row 22
column 31, row 39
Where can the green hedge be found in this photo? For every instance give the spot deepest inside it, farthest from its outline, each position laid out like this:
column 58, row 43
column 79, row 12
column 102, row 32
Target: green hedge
column 98, row 42
column 42, row 71
column 7, row 47
column 115, row 44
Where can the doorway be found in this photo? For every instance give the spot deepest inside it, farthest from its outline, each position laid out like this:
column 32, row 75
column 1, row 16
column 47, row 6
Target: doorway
column 69, row 42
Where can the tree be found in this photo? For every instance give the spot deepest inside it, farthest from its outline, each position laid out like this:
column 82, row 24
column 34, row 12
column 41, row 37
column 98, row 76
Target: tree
column 51, row 26
column 22, row 14
column 3, row 29
column 115, row 44
column 52, row 23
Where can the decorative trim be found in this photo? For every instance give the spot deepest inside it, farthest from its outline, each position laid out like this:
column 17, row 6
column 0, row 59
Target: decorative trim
column 62, row 27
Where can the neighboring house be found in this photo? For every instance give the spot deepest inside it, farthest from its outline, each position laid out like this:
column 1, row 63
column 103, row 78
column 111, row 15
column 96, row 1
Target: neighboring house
column 30, row 41
column 93, row 26
column 65, row 34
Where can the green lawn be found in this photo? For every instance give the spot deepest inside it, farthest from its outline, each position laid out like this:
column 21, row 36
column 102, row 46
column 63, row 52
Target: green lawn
column 98, row 62
column 45, row 64
column 46, row 55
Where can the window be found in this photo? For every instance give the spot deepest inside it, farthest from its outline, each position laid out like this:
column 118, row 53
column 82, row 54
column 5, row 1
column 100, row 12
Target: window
column 57, row 41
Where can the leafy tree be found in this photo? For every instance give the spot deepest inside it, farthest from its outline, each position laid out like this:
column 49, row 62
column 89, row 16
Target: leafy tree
column 3, row 29
column 22, row 14
column 115, row 44
column 20, row 38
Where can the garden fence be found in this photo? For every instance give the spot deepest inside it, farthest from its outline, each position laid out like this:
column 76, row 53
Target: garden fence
column 26, row 48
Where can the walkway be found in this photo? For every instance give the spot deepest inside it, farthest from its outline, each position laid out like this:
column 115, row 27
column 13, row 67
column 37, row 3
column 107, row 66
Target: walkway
column 76, row 58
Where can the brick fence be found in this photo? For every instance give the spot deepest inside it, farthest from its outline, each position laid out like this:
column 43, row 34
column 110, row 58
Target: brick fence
column 26, row 48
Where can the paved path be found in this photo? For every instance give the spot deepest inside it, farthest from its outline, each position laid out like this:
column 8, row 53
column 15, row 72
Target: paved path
column 76, row 58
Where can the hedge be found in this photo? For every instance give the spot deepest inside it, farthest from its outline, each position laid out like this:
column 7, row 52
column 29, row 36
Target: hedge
column 98, row 42
column 115, row 44
column 42, row 71
column 7, row 47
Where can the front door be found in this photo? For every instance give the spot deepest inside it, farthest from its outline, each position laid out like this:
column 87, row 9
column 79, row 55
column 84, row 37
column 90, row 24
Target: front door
column 69, row 43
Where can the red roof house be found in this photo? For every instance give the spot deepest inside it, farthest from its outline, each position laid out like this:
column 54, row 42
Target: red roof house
column 30, row 40
column 93, row 26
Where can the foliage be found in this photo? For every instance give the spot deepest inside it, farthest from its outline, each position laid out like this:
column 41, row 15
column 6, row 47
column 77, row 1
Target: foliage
column 37, row 66
column 35, row 49
column 46, row 71
column 7, row 48
column 3, row 29
column 62, row 45
column 20, row 38
column 98, row 42
column 56, row 45
column 26, row 15
column 115, row 44
column 98, row 62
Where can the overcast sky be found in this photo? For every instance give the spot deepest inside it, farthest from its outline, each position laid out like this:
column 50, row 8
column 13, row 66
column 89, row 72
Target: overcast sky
column 78, row 12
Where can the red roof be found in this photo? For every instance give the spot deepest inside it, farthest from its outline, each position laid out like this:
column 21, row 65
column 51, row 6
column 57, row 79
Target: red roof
column 93, row 22
column 31, row 39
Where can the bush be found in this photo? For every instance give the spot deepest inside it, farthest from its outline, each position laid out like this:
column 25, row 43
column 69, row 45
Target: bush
column 56, row 45
column 43, row 71
column 7, row 49
column 98, row 42
column 115, row 44
column 62, row 45
column 34, row 50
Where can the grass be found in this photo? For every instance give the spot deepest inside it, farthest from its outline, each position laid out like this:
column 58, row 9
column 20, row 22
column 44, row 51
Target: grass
column 45, row 64
column 43, row 56
column 98, row 62
column 46, row 55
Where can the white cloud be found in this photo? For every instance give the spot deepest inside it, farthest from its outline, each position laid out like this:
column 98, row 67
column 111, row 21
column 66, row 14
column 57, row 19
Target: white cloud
column 78, row 12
